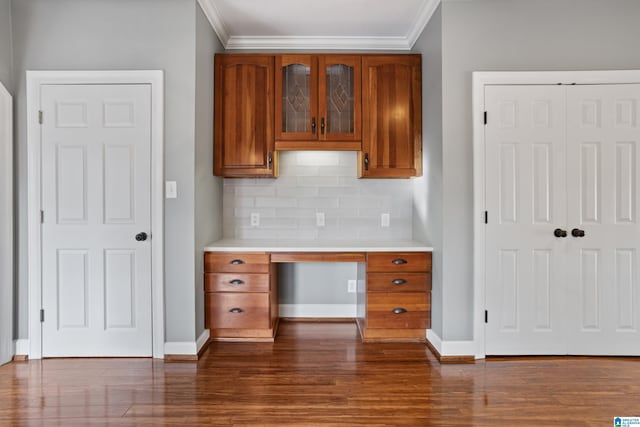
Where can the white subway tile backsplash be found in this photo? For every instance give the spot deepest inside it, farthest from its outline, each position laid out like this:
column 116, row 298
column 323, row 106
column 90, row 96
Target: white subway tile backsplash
column 312, row 182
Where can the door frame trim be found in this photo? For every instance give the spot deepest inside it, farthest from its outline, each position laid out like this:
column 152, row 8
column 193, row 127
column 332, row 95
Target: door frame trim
column 6, row 220
column 480, row 80
column 154, row 78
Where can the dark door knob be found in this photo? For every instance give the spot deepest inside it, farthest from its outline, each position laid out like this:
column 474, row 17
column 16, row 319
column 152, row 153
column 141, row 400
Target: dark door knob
column 559, row 232
column 576, row 232
column 141, row 237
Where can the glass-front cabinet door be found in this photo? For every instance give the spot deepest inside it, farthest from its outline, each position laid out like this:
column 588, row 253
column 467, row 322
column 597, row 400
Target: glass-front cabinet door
column 339, row 88
column 318, row 102
column 296, row 97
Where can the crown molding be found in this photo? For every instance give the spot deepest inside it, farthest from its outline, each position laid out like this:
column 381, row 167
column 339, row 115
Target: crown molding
column 422, row 19
column 311, row 42
column 212, row 14
column 319, row 42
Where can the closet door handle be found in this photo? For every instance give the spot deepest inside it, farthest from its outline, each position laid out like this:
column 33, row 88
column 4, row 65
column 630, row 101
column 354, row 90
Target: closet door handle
column 559, row 232
column 576, row 232
column 313, row 125
column 322, row 126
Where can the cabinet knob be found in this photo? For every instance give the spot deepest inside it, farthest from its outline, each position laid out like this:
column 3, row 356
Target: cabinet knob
column 399, row 281
column 399, row 261
column 322, row 126
column 236, row 262
column 236, row 310
column 236, row 282
column 313, row 125
column 398, row 310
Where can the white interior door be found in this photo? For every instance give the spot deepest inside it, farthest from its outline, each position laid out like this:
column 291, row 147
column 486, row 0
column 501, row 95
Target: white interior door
column 603, row 154
column 525, row 192
column 6, row 226
column 563, row 157
column 96, row 286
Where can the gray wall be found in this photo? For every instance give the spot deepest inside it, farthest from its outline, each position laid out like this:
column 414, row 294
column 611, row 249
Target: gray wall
column 499, row 35
column 208, row 189
column 105, row 35
column 316, row 283
column 427, row 195
column 6, row 46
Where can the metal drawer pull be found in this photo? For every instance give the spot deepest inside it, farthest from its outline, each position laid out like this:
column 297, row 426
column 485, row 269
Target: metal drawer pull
column 400, row 261
column 399, row 281
column 236, row 310
column 236, row 282
column 236, row 262
column 398, row 310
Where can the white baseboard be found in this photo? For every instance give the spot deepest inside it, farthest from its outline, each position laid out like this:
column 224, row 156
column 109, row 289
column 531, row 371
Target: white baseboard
column 202, row 340
column 21, row 347
column 451, row 348
column 318, row 310
column 186, row 348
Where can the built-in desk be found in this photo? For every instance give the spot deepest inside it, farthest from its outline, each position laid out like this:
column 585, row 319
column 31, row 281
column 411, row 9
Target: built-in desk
column 241, row 287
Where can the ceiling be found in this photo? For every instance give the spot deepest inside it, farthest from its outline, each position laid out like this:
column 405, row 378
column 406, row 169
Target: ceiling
column 313, row 24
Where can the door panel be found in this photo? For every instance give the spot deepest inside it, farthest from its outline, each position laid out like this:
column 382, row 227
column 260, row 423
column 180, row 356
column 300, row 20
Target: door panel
column 525, row 202
column 96, row 146
column 603, row 134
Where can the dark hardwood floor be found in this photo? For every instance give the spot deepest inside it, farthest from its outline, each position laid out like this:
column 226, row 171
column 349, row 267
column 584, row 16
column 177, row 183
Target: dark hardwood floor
column 319, row 374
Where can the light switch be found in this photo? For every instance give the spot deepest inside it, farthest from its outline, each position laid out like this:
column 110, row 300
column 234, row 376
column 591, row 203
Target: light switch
column 385, row 220
column 320, row 219
column 171, row 190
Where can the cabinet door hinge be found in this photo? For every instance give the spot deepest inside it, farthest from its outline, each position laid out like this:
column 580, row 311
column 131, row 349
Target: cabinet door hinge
column 41, row 217
column 485, row 117
column 42, row 315
column 40, row 116
column 486, row 316
column 486, row 217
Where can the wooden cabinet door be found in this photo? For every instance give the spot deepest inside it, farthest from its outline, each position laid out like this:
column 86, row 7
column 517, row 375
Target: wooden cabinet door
column 339, row 88
column 297, row 98
column 391, row 117
column 243, row 117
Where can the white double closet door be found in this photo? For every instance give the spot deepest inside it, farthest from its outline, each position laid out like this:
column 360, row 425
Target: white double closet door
column 562, row 158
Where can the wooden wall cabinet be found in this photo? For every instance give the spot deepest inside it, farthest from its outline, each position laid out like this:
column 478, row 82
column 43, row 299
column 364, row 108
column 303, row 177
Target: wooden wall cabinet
column 318, row 102
column 243, row 116
column 392, row 117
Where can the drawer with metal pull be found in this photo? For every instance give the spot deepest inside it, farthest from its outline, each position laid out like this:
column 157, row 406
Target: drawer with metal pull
column 396, row 310
column 236, row 282
column 224, row 262
column 399, row 282
column 237, row 310
column 398, row 261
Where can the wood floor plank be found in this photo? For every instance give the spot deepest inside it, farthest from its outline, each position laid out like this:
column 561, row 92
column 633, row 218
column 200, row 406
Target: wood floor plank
column 319, row 374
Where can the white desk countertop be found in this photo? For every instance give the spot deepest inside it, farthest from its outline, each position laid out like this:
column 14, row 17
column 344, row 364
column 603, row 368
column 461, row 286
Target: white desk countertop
column 237, row 245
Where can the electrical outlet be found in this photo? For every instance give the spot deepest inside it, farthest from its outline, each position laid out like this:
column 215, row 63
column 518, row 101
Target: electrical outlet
column 351, row 286
column 320, row 219
column 255, row 219
column 385, row 220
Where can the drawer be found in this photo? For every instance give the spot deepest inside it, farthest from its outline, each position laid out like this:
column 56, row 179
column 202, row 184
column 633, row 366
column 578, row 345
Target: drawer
column 236, row 282
column 237, row 262
column 398, row 261
column 413, row 310
column 398, row 282
column 237, row 310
